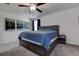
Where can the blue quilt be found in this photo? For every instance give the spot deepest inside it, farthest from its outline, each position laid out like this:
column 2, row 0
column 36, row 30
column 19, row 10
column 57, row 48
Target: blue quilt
column 43, row 37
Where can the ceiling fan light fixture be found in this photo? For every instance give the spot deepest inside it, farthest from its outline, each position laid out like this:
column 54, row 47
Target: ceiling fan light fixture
column 33, row 7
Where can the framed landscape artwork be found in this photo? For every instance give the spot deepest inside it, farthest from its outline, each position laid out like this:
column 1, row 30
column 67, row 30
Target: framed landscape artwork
column 19, row 24
column 9, row 24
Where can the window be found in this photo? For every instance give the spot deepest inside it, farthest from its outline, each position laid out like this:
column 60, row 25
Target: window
column 35, row 25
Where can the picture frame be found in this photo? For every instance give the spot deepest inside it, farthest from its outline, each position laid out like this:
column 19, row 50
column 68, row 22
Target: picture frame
column 19, row 24
column 26, row 25
column 9, row 24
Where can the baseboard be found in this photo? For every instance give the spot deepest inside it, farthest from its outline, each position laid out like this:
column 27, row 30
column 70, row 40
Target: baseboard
column 71, row 43
column 8, row 42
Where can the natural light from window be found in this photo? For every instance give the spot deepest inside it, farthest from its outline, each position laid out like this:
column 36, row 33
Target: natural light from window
column 35, row 25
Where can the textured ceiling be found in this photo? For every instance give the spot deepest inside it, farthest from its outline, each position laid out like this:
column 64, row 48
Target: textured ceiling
column 46, row 8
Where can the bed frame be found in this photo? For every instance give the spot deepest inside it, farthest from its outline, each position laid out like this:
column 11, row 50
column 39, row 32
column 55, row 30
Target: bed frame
column 37, row 48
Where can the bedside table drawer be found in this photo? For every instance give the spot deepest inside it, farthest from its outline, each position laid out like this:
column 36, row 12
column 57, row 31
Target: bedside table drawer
column 62, row 38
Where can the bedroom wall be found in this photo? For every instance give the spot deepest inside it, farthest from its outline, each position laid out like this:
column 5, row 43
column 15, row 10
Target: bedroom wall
column 10, row 35
column 68, row 22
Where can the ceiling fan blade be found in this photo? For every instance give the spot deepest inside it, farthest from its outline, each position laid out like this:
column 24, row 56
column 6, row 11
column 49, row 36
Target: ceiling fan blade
column 23, row 6
column 39, row 10
column 7, row 3
column 38, row 4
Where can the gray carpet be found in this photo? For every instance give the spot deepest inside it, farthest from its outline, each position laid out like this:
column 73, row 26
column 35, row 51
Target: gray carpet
column 60, row 50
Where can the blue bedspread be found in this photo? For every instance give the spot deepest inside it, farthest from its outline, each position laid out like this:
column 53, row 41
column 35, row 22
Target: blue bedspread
column 42, row 37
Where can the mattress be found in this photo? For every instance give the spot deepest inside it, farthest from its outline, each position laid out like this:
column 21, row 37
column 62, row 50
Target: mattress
column 38, row 42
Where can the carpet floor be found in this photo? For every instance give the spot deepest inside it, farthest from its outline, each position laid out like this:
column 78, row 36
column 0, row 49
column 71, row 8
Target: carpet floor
column 60, row 50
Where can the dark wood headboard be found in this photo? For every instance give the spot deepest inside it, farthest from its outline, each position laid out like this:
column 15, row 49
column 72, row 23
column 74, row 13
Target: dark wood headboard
column 53, row 27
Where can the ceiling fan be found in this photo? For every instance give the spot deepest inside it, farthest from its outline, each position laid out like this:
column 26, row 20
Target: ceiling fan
column 33, row 6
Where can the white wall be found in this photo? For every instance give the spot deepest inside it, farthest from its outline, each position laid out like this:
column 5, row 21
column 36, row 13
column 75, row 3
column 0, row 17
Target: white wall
column 68, row 22
column 9, row 36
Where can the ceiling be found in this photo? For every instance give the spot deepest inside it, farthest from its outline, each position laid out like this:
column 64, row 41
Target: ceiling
column 46, row 8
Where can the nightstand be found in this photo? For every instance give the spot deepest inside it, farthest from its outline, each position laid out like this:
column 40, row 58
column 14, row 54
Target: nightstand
column 62, row 39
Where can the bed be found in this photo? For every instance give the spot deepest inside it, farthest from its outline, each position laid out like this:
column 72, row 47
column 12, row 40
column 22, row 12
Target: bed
column 42, row 41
